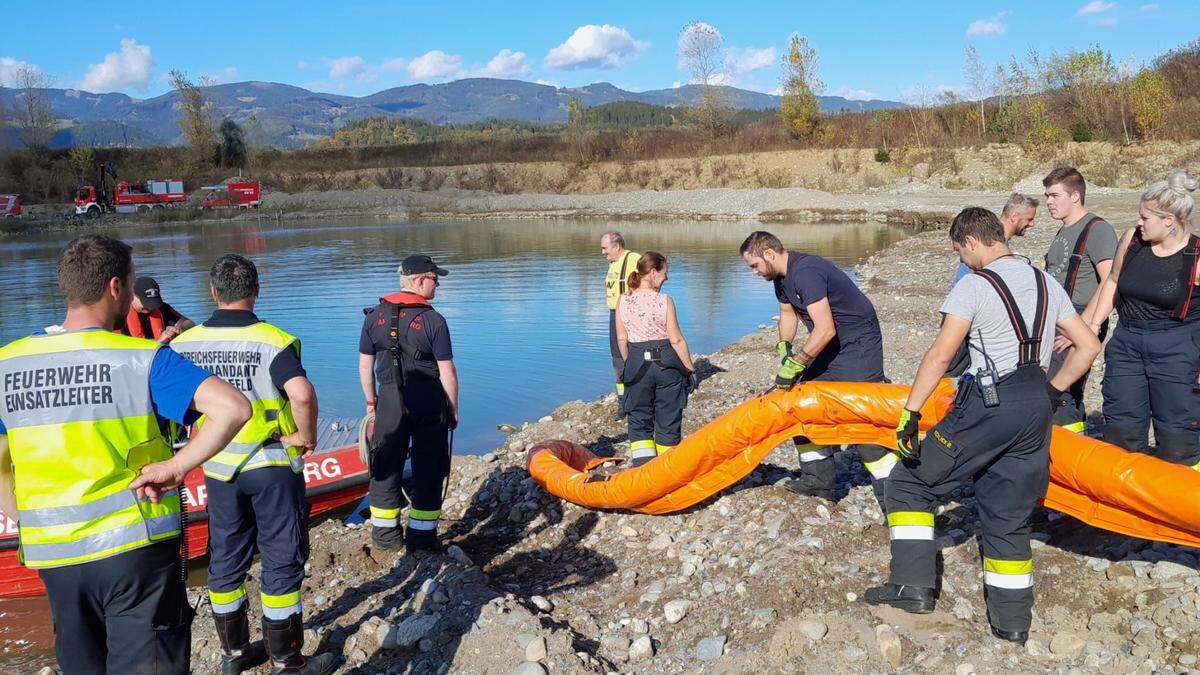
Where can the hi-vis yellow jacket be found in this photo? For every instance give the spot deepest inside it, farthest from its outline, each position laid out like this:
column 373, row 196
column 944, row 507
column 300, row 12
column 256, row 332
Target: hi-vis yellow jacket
column 81, row 425
column 618, row 273
column 242, row 357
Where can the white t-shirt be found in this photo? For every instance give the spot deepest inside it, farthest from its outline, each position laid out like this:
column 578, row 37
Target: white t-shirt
column 975, row 299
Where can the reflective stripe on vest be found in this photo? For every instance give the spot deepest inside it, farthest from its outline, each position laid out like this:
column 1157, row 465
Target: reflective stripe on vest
column 81, row 425
column 242, row 356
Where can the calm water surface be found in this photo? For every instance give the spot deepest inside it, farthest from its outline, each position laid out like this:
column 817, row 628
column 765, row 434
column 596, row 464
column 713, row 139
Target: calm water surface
column 524, row 301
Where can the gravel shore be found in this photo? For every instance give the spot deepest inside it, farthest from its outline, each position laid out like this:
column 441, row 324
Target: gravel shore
column 755, row 579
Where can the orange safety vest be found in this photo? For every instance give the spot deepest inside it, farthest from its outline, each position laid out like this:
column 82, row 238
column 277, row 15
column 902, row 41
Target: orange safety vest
column 133, row 324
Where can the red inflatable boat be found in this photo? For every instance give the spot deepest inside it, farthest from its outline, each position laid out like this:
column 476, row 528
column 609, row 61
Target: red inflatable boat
column 334, row 476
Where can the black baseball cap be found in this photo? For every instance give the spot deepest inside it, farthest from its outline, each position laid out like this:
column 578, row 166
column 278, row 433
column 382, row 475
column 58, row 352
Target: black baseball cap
column 421, row 264
column 146, row 289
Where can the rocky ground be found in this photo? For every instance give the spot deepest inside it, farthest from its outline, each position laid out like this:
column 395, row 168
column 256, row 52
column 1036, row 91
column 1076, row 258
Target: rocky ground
column 755, row 579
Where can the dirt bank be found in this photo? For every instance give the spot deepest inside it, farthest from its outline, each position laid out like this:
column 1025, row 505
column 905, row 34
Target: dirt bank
column 754, row 580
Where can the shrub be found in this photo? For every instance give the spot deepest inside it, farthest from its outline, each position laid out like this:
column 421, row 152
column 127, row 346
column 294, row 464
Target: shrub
column 1080, row 133
column 883, row 156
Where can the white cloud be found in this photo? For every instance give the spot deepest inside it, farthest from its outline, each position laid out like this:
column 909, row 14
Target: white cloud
column 593, row 46
column 1095, row 7
column 302, row 64
column 224, row 75
column 506, row 64
column 392, row 65
column 121, row 70
column 848, row 92
column 1152, row 7
column 992, row 26
column 10, row 67
column 346, row 66
column 435, row 65
column 751, row 59
column 548, row 83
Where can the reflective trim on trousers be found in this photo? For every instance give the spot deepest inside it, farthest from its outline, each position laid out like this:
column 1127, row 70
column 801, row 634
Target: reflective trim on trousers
column 620, row 389
column 227, row 602
column 279, row 607
column 882, row 467
column 644, row 448
column 1196, row 467
column 910, row 525
column 1012, row 574
column 123, row 538
column 418, row 524
column 93, row 510
column 662, row 449
column 811, row 452
column 384, row 517
column 1077, row 427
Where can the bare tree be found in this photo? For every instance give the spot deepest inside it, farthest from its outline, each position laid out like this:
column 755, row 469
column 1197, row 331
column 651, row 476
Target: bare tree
column 34, row 117
column 702, row 53
column 981, row 82
column 194, row 121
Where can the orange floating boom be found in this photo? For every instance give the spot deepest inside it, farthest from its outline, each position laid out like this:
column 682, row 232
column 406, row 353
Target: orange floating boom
column 1093, row 481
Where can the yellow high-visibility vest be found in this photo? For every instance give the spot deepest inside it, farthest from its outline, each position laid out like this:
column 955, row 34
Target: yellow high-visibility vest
column 618, row 275
column 242, row 356
column 81, row 425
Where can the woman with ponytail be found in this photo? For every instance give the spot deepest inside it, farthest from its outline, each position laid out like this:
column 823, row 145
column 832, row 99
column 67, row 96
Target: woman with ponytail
column 1153, row 360
column 659, row 373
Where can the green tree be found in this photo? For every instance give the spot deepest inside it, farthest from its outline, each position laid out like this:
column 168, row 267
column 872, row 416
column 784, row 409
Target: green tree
column 81, row 159
column 800, row 109
column 1088, row 77
column 231, row 151
column 1149, row 101
column 882, row 120
column 194, row 122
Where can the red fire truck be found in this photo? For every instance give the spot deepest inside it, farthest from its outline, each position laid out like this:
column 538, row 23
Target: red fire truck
column 10, row 206
column 247, row 195
column 129, row 198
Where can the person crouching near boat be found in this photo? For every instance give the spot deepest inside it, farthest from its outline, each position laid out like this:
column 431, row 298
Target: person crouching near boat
column 658, row 371
column 256, row 485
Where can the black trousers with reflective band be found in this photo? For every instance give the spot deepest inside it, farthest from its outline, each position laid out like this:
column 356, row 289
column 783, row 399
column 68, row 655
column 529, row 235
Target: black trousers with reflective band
column 1005, row 452
column 855, row 355
column 1072, row 415
column 614, row 349
column 1150, row 372
column 392, row 445
column 124, row 614
column 261, row 510
column 654, row 402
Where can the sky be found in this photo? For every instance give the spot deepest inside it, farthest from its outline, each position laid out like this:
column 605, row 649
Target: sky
column 890, row 50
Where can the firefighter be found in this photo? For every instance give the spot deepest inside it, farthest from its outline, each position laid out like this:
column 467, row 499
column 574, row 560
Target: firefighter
column 255, row 485
column 1151, row 363
column 1080, row 259
column 996, row 435
column 659, row 373
column 406, row 368
column 152, row 317
column 621, row 263
column 844, row 344
column 86, row 471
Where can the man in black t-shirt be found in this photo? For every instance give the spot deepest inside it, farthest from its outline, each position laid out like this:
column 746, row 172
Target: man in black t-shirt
column 844, row 344
column 405, row 349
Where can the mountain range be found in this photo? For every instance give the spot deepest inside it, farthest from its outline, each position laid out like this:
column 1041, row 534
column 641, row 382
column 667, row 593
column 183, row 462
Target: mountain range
column 286, row 116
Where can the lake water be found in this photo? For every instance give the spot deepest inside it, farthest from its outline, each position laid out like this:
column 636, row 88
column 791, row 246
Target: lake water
column 524, row 301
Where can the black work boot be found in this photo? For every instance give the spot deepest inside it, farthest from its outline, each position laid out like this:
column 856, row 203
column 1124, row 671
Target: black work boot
column 815, row 479
column 1017, row 636
column 421, row 540
column 387, row 538
column 912, row 599
column 284, row 639
column 238, row 653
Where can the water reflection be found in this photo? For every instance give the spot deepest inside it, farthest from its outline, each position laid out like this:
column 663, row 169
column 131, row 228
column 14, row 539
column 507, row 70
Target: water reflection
column 524, row 300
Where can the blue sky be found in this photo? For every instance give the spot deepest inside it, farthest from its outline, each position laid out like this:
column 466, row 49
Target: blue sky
column 887, row 50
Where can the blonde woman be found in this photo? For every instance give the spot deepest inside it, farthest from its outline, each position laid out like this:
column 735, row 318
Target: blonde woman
column 658, row 372
column 1153, row 360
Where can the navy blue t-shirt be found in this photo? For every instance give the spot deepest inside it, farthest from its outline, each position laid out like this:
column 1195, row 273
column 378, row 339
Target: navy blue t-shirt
column 811, row 278
column 425, row 330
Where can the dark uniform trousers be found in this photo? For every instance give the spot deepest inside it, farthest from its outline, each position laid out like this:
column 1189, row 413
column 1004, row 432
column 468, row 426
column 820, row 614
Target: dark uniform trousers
column 1072, row 416
column 614, row 350
column 396, row 437
column 124, row 614
column 1150, row 375
column 262, row 509
column 854, row 355
column 655, row 396
column 1005, row 452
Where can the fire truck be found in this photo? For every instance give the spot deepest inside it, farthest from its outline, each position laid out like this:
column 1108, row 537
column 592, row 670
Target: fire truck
column 243, row 195
column 129, row 198
column 10, row 206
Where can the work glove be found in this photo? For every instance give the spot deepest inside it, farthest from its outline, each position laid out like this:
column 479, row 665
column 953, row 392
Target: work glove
column 1058, row 398
column 789, row 372
column 908, row 442
column 784, row 349
column 693, row 383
